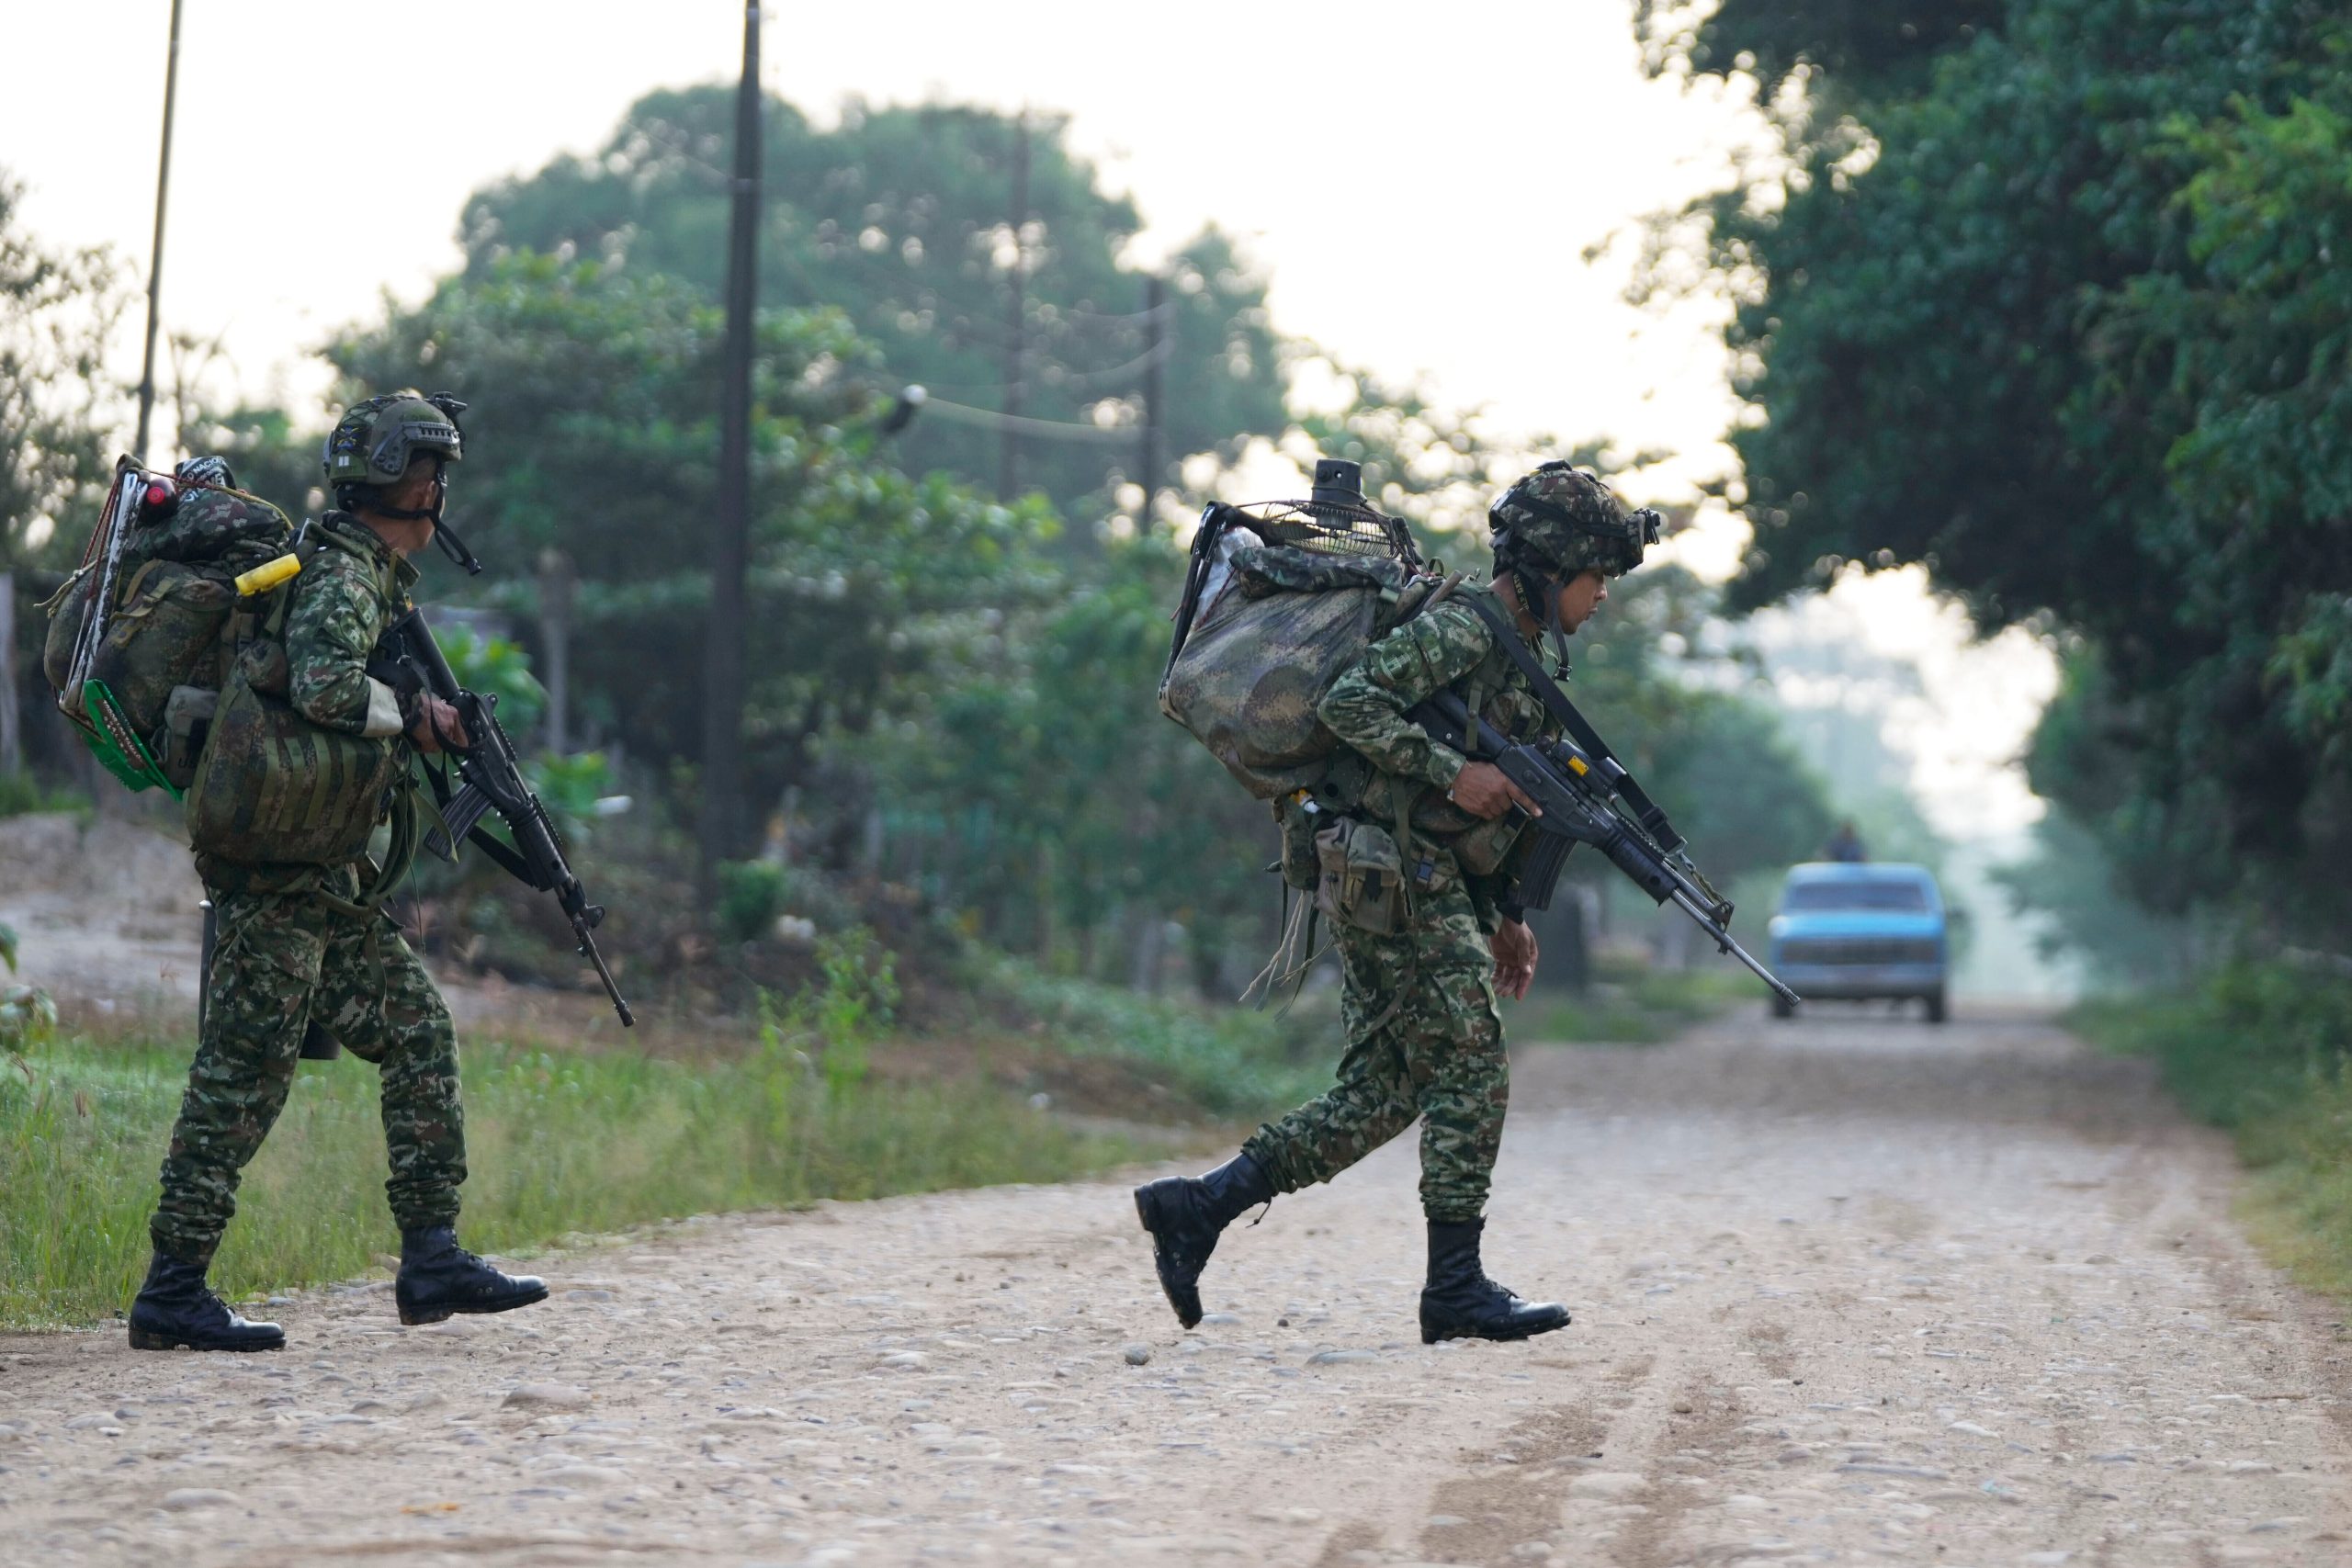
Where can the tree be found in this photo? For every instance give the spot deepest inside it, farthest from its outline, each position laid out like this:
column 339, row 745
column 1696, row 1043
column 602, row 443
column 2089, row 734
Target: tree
column 904, row 220
column 56, row 403
column 592, row 432
column 2055, row 311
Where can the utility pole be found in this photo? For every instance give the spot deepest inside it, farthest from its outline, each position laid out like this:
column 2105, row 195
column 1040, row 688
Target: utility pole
column 155, row 265
column 730, row 548
column 1008, row 475
column 556, row 582
column 1156, row 350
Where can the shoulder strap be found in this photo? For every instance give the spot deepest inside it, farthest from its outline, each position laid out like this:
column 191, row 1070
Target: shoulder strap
column 1556, row 703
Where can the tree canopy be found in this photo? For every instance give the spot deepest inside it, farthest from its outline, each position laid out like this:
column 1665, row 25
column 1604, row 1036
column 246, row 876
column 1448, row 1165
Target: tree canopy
column 933, row 230
column 2055, row 309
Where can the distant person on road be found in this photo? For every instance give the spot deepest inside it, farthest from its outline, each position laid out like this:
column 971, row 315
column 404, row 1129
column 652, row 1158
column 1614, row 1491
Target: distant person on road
column 301, row 938
column 1419, row 985
column 1845, row 844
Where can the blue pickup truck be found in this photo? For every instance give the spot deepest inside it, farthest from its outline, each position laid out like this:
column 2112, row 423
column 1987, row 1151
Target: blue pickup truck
column 1860, row 931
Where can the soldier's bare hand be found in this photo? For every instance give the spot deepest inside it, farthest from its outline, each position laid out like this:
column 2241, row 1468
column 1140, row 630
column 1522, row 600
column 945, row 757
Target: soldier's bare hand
column 1484, row 791
column 437, row 726
column 1514, row 959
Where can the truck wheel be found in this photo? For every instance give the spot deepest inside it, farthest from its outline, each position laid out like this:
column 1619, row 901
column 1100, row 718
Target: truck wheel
column 1783, row 1007
column 1935, row 1000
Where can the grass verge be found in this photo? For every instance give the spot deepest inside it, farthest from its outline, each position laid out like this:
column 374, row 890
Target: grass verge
column 557, row 1145
column 1229, row 1062
column 2262, row 1050
column 1641, row 1007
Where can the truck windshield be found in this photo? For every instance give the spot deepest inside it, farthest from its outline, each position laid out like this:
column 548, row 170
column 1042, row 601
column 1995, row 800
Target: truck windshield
column 1907, row 896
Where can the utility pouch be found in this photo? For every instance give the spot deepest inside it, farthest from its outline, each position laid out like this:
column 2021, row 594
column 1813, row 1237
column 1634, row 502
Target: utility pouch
column 188, row 724
column 272, row 786
column 164, row 629
column 1482, row 850
column 1298, row 821
column 1359, row 877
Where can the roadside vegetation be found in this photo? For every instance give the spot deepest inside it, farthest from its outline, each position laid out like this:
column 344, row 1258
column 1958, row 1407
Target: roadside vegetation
column 2262, row 1050
column 1628, row 1005
column 564, row 1143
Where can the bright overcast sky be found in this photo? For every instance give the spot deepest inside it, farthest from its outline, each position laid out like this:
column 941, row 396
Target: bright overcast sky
column 1421, row 183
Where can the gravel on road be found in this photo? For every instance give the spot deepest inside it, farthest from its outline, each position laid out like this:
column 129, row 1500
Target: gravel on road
column 1847, row 1289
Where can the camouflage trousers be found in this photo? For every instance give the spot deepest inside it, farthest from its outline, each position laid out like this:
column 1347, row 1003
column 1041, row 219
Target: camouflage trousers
column 281, row 960
column 1439, row 1056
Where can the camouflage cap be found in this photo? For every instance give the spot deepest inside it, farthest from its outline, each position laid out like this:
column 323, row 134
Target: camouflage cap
column 372, row 442
column 1563, row 520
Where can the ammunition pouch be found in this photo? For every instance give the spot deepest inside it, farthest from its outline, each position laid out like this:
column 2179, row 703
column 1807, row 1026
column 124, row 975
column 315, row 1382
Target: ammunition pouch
column 274, row 787
column 1359, row 877
column 188, row 724
column 1364, row 882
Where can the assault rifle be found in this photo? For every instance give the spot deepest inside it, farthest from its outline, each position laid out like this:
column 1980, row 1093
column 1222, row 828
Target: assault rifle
column 1588, row 797
column 490, row 780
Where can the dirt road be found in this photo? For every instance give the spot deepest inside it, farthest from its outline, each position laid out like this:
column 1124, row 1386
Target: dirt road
column 1845, row 1290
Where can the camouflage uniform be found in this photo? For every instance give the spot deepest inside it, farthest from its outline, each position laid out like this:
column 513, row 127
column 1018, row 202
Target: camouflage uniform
column 1418, row 1005
column 286, row 954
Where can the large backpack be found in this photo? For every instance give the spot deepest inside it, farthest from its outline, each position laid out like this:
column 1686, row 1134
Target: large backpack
column 1279, row 601
column 140, row 636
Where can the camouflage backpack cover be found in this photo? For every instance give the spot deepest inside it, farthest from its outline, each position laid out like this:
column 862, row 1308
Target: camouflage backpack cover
column 1279, row 600
column 140, row 636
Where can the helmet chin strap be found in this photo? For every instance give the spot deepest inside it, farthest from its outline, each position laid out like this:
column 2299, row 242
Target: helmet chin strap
column 1537, row 585
column 443, row 535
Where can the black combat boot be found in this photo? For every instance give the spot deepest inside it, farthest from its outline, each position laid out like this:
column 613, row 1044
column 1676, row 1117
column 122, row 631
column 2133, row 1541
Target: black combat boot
column 1461, row 1303
column 438, row 1278
column 1185, row 1215
column 174, row 1311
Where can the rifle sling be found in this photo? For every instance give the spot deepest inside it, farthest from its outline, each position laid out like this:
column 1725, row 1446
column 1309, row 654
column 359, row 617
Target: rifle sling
column 1583, row 734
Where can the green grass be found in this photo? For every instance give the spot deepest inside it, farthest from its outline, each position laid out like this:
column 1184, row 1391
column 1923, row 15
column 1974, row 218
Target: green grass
column 1230, row 1061
column 1637, row 1007
column 557, row 1145
column 2262, row 1050
column 22, row 794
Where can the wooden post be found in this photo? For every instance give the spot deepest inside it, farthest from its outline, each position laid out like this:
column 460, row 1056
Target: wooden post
column 12, row 753
column 724, row 693
column 555, row 632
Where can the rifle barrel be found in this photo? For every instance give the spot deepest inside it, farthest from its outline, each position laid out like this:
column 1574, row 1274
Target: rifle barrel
column 1724, row 941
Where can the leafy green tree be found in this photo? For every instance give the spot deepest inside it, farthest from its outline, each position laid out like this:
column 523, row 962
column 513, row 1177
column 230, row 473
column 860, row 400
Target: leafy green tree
column 908, row 221
column 1067, row 811
column 593, row 434
column 2056, row 311
column 56, row 403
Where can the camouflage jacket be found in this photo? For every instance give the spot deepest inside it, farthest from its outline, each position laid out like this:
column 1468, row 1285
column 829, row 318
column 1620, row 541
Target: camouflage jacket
column 1448, row 648
column 344, row 601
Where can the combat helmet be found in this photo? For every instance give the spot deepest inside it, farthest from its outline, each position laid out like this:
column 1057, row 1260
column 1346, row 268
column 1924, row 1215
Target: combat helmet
column 1559, row 521
column 373, row 444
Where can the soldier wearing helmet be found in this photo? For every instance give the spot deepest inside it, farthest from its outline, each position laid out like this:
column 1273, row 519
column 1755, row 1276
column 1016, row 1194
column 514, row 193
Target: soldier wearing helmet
column 303, row 945
column 1418, row 997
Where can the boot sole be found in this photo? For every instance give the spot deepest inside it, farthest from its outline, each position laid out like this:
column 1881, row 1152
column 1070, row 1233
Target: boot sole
column 420, row 1317
column 1431, row 1338
column 1148, row 1215
column 143, row 1339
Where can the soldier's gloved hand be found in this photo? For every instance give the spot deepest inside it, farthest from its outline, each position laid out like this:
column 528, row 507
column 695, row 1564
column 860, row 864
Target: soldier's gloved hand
column 433, row 724
column 1514, row 959
column 1484, row 791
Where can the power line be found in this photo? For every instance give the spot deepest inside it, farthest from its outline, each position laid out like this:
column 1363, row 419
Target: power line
column 1021, row 425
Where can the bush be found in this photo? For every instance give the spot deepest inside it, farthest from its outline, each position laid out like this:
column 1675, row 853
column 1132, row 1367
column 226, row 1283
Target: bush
column 21, row 795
